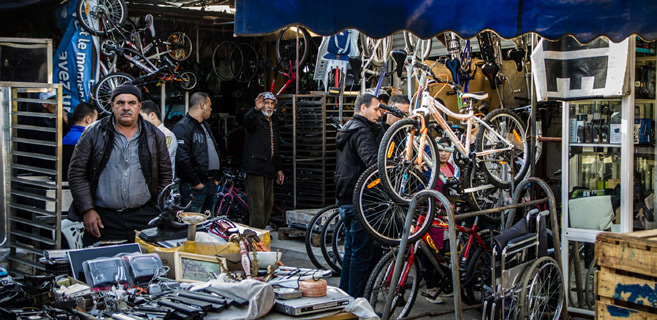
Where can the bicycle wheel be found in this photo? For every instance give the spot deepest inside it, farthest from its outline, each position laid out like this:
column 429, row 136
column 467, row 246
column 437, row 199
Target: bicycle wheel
column 414, row 45
column 376, row 49
column 378, row 286
column 401, row 178
column 382, row 218
column 101, row 17
column 481, row 195
column 330, row 229
column 542, row 290
column 338, row 241
column 286, row 45
column 313, row 236
column 496, row 165
column 103, row 89
column 478, row 277
column 188, row 81
column 180, row 46
column 250, row 65
column 227, row 60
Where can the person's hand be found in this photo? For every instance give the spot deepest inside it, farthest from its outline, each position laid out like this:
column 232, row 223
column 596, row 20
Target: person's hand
column 259, row 102
column 216, row 182
column 280, row 177
column 198, row 186
column 92, row 222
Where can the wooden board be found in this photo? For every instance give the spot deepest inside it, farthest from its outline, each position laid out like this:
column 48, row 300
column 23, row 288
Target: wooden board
column 633, row 252
column 636, row 290
column 606, row 311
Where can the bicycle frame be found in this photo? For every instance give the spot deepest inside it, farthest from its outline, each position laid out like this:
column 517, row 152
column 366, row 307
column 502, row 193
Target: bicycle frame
column 434, row 108
column 291, row 76
column 232, row 194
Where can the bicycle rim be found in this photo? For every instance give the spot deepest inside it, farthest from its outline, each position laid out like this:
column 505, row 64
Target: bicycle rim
column 286, row 46
column 103, row 90
column 380, row 50
column 378, row 286
column 180, row 46
column 250, row 65
column 101, row 17
column 414, row 45
column 189, row 80
column 329, row 228
column 496, row 165
column 382, row 218
column 227, row 60
column 482, row 195
column 401, row 178
column 313, row 236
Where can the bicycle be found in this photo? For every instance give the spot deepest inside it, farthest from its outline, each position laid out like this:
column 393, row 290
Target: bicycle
column 100, row 17
column 500, row 141
column 232, row 201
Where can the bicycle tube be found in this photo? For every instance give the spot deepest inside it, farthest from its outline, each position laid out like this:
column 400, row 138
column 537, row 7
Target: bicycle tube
column 282, row 48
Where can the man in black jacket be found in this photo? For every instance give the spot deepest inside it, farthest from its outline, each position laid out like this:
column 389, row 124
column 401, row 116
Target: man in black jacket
column 118, row 168
column 197, row 157
column 260, row 159
column 357, row 145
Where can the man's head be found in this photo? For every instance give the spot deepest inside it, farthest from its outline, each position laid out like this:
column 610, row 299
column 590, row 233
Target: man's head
column 151, row 112
column 270, row 103
column 200, row 105
column 48, row 107
column 126, row 104
column 383, row 97
column 368, row 106
column 402, row 103
column 84, row 114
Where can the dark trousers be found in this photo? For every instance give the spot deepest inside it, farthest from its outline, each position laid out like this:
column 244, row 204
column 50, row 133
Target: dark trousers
column 260, row 196
column 121, row 226
column 203, row 197
column 360, row 254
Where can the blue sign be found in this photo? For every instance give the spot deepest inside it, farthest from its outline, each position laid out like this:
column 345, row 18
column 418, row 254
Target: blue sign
column 74, row 61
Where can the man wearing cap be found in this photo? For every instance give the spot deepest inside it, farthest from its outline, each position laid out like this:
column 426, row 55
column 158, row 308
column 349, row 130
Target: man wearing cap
column 197, row 157
column 260, row 160
column 357, row 146
column 118, row 168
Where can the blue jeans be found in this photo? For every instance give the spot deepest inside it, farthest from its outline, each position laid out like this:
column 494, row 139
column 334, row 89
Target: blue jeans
column 359, row 254
column 204, row 198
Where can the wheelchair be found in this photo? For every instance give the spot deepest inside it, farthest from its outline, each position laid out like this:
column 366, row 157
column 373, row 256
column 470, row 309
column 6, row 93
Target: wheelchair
column 527, row 280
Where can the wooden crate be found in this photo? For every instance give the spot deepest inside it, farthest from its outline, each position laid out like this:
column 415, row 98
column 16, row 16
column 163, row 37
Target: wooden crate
column 626, row 284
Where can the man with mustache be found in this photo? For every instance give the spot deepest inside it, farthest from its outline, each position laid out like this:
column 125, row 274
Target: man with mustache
column 197, row 157
column 118, row 168
column 260, row 160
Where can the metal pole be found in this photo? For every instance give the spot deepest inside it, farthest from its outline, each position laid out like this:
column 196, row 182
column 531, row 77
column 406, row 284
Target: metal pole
column 532, row 123
column 296, row 62
column 456, row 281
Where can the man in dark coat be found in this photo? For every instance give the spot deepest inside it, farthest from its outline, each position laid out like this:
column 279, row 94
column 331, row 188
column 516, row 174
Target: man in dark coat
column 260, row 160
column 357, row 143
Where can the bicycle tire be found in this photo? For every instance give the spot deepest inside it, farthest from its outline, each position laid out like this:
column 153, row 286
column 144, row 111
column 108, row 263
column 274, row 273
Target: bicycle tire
column 250, row 65
column 286, row 49
column 382, row 218
column 486, row 198
column 420, row 47
column 478, row 277
column 189, row 81
column 325, row 241
column 380, row 50
column 179, row 46
column 544, row 268
column 394, row 169
column 313, row 231
column 514, row 131
column 227, row 60
column 377, row 288
column 337, row 243
column 111, row 14
column 103, row 89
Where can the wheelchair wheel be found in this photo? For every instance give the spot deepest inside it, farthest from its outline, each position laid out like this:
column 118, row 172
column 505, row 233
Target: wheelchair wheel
column 542, row 290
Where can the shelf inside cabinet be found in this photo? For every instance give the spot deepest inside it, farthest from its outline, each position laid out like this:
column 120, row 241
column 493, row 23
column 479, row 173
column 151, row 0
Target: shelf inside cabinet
column 596, row 145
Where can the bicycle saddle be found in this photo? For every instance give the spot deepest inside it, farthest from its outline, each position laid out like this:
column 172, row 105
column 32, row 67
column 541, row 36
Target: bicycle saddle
column 517, row 54
column 490, row 71
column 355, row 64
column 149, row 24
column 475, row 95
column 454, row 65
column 399, row 56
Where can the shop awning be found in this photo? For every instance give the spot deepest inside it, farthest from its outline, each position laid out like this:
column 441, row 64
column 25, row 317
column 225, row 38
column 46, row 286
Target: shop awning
column 585, row 19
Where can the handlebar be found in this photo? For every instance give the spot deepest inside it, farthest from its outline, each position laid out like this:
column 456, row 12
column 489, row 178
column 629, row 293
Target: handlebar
column 428, row 70
column 393, row 110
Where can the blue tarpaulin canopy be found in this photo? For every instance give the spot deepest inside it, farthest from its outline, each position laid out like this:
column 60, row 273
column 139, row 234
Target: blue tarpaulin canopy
column 552, row 19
